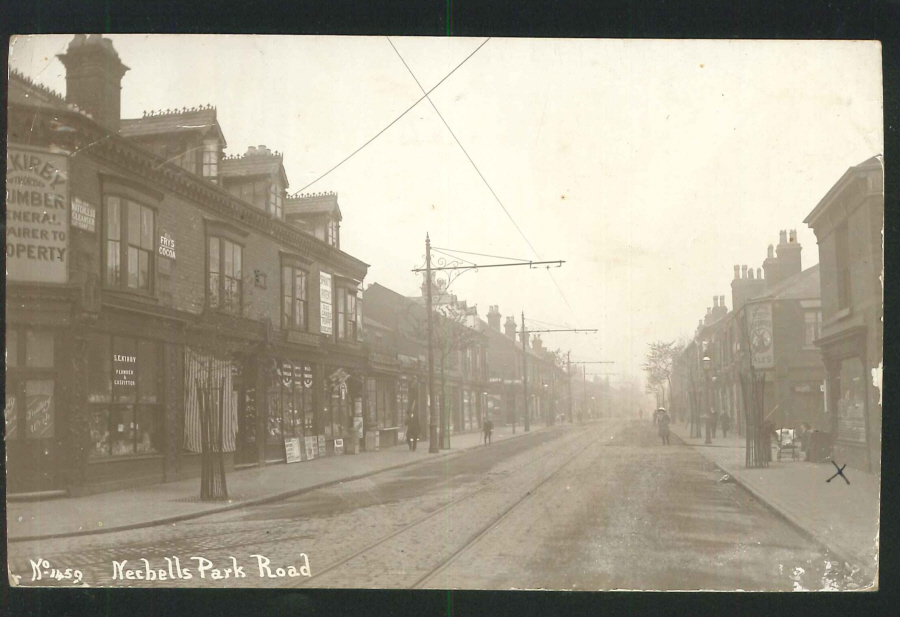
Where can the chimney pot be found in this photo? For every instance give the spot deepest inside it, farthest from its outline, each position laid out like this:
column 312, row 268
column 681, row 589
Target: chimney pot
column 737, row 272
column 782, row 237
column 793, row 236
column 771, row 252
column 744, row 271
column 722, row 301
column 759, row 273
column 715, row 301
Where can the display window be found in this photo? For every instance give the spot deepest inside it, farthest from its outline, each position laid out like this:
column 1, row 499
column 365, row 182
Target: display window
column 123, row 385
column 30, row 389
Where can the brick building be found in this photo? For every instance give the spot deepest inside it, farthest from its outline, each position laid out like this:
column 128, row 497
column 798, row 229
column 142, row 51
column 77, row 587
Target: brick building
column 775, row 319
column 396, row 332
column 144, row 271
column 849, row 222
column 547, row 382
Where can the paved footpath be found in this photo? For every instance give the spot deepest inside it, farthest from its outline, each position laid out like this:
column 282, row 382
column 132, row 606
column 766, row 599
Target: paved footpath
column 176, row 501
column 844, row 518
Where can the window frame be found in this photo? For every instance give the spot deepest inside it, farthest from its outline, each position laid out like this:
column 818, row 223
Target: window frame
column 288, row 321
column 124, row 244
column 17, row 377
column 222, row 239
column 275, row 201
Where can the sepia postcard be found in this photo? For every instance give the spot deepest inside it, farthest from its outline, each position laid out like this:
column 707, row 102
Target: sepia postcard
column 443, row 313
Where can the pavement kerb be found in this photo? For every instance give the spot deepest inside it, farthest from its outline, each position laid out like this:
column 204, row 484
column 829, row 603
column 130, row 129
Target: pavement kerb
column 787, row 516
column 252, row 502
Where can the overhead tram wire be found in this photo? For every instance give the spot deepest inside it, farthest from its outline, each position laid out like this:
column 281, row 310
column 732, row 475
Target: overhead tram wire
column 409, row 109
column 481, row 254
column 478, row 171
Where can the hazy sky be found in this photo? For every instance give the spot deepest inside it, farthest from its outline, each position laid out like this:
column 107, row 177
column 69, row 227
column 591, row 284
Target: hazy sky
column 650, row 167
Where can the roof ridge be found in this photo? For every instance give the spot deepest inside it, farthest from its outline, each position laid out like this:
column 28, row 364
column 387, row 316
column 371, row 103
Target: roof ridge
column 153, row 113
column 40, row 87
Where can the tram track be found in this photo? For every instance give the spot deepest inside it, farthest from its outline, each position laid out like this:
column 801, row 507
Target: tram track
column 333, row 570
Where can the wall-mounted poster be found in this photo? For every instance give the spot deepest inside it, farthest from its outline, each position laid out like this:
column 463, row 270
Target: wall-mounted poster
column 325, row 315
column 37, row 217
column 321, row 440
column 338, row 446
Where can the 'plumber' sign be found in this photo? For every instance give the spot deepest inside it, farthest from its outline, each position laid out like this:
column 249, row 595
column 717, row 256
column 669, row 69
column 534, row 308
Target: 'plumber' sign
column 37, row 217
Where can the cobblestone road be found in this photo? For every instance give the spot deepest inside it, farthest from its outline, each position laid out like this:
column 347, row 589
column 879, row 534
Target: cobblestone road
column 620, row 512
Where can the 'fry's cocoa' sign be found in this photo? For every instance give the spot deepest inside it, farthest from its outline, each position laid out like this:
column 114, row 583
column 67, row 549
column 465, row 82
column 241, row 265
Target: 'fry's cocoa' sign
column 37, row 217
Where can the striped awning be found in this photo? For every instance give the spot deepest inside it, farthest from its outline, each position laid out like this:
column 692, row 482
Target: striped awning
column 204, row 374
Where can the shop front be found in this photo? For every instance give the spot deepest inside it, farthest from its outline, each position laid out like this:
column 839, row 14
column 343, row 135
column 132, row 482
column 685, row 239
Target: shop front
column 853, row 400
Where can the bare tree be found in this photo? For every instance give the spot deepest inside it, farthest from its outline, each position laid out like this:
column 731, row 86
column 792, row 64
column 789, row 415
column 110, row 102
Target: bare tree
column 658, row 366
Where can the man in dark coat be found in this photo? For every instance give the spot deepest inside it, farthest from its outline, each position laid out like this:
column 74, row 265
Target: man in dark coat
column 488, row 430
column 412, row 430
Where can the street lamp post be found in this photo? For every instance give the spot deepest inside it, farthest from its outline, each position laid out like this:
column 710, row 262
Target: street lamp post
column 707, row 365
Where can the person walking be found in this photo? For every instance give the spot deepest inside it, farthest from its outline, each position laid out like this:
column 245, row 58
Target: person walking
column 662, row 421
column 488, row 427
column 412, row 430
column 725, row 423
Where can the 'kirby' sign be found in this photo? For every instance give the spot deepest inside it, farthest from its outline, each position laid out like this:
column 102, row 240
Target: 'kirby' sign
column 37, row 215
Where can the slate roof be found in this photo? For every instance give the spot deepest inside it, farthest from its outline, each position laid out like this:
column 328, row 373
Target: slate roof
column 312, row 203
column 200, row 120
column 23, row 90
column 802, row 286
column 250, row 165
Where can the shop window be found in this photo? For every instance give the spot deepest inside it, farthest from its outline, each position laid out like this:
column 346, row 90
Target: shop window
column 851, row 407
column 225, row 275
column 29, row 410
column 293, row 285
column 123, row 386
column 39, row 416
column 130, row 245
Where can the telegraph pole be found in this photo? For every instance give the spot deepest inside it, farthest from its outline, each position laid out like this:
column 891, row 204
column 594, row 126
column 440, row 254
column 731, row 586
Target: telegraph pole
column 569, row 373
column 433, row 445
column 458, row 266
column 524, row 369
column 584, row 393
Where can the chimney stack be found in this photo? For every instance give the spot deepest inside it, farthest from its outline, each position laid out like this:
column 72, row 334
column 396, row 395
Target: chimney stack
column 786, row 261
column 94, row 78
column 510, row 327
column 494, row 317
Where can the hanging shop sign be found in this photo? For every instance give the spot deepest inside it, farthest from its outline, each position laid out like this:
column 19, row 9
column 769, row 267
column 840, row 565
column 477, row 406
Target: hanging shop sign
column 762, row 344
column 325, row 315
column 292, row 450
column 167, row 245
column 37, row 224
column 311, row 447
column 338, row 446
column 84, row 215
